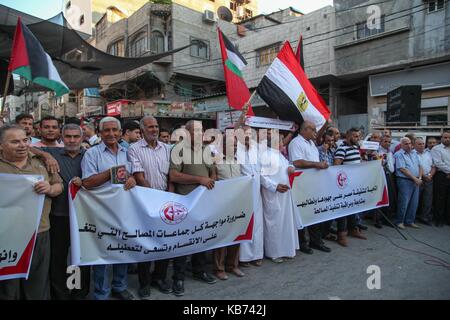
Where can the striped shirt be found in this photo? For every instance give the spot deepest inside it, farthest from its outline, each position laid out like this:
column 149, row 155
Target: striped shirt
column 153, row 162
column 349, row 154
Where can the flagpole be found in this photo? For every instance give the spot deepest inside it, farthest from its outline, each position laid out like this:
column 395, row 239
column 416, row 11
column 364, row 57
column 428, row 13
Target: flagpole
column 241, row 120
column 5, row 92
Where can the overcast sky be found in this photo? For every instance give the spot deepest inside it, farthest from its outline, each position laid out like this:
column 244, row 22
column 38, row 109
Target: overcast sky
column 305, row 6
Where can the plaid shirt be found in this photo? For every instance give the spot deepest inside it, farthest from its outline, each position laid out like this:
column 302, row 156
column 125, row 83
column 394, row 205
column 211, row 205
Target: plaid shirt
column 327, row 156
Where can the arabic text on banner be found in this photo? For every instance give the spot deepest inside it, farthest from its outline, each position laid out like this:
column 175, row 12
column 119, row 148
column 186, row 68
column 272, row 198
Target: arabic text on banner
column 322, row 195
column 20, row 214
column 111, row 225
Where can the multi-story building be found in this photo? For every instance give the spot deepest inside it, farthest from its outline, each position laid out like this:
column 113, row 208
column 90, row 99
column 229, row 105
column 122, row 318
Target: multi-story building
column 356, row 52
column 240, row 9
column 169, row 81
column 391, row 44
column 78, row 14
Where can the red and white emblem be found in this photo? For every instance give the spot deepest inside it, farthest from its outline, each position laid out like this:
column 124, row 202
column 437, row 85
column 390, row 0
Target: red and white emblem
column 342, row 180
column 173, row 212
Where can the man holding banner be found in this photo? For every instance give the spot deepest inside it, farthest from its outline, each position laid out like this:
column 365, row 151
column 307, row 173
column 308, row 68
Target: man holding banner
column 304, row 154
column 348, row 153
column 187, row 174
column 16, row 159
column 96, row 167
column 150, row 160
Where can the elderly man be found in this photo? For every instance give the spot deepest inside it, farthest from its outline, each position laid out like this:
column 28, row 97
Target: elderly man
column 49, row 133
column 150, row 160
column 388, row 162
column 304, row 154
column 25, row 121
column 226, row 259
column 69, row 160
column 247, row 155
column 90, row 135
column 348, row 153
column 424, row 214
column 441, row 159
column 280, row 229
column 15, row 158
column 409, row 179
column 96, row 166
column 187, row 176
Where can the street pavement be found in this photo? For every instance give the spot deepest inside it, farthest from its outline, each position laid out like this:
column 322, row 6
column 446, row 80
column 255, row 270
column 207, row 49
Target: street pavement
column 408, row 269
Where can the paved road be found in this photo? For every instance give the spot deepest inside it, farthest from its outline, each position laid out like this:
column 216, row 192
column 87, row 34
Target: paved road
column 342, row 274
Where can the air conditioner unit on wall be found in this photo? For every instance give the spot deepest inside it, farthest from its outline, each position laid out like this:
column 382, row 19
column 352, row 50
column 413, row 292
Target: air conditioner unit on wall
column 209, row 16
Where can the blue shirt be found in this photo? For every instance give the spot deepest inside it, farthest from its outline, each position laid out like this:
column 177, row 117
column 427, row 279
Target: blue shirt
column 100, row 158
column 327, row 156
column 409, row 161
column 124, row 144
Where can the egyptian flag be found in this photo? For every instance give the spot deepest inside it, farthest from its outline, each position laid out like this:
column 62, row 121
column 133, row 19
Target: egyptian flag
column 233, row 64
column 299, row 53
column 289, row 93
column 29, row 60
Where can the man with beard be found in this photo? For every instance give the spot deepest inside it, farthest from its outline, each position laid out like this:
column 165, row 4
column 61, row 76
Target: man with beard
column 280, row 230
column 348, row 153
column 304, row 155
column 69, row 160
column 150, row 161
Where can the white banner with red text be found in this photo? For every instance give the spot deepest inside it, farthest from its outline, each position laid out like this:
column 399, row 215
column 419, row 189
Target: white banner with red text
column 322, row 195
column 111, row 225
column 20, row 214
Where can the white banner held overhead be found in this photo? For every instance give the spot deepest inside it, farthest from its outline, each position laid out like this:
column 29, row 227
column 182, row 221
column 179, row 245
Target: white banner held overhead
column 20, row 214
column 111, row 225
column 269, row 123
column 322, row 195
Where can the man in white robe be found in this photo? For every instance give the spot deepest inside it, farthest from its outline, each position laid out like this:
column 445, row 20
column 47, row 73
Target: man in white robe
column 280, row 231
column 247, row 156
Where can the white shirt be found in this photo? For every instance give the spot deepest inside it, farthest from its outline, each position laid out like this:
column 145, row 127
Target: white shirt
column 426, row 161
column 441, row 158
column 93, row 139
column 301, row 149
column 389, row 160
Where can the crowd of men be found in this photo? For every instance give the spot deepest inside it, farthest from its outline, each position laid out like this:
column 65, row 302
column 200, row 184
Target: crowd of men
column 417, row 172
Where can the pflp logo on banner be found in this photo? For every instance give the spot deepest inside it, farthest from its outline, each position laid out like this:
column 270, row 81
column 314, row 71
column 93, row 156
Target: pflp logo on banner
column 342, row 179
column 173, row 213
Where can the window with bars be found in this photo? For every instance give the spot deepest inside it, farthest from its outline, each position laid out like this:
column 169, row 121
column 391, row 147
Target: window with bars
column 117, row 48
column 139, row 46
column 436, row 5
column 266, row 55
column 200, row 49
column 157, row 42
column 364, row 30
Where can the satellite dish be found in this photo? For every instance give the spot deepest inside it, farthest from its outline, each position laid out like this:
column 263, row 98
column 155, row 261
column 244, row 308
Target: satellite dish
column 224, row 14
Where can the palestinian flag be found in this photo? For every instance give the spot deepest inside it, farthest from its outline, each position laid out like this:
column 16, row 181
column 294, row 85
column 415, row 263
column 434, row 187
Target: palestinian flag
column 233, row 63
column 29, row 60
column 289, row 93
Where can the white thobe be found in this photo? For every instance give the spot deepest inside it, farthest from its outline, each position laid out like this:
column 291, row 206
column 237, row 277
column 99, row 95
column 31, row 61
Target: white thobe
column 254, row 250
column 280, row 232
